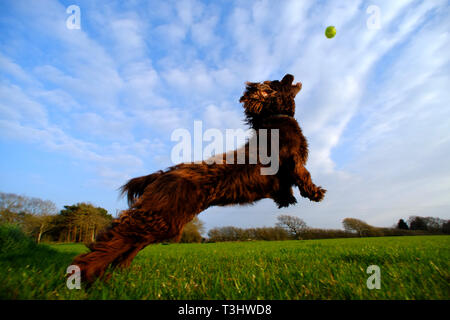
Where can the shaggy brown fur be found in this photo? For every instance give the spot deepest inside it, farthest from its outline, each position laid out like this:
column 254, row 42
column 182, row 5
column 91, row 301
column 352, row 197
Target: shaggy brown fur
column 163, row 202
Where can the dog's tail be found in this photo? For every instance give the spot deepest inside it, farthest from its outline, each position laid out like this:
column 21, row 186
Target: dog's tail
column 135, row 187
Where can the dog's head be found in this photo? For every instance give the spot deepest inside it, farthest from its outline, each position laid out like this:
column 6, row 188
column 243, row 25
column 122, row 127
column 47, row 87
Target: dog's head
column 269, row 98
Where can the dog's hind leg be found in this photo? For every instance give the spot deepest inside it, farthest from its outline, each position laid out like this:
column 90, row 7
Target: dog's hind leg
column 124, row 260
column 94, row 264
column 118, row 245
column 121, row 242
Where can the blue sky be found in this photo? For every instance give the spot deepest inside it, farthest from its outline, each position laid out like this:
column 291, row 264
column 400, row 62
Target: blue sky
column 82, row 111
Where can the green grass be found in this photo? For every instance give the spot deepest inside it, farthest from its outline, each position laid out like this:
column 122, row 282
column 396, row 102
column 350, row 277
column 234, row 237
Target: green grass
column 411, row 268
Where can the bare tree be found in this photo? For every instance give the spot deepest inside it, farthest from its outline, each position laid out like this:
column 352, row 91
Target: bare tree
column 11, row 202
column 33, row 214
column 293, row 225
column 11, row 205
column 41, row 215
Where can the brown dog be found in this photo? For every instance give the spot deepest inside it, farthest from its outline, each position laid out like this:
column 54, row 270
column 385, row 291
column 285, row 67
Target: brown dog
column 163, row 202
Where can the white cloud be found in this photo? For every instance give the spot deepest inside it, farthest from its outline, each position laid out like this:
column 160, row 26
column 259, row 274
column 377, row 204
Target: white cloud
column 203, row 31
column 16, row 105
column 128, row 38
column 223, row 117
column 7, row 66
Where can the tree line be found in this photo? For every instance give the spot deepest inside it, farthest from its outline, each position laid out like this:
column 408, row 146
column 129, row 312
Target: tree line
column 41, row 219
column 293, row 228
column 432, row 224
column 82, row 222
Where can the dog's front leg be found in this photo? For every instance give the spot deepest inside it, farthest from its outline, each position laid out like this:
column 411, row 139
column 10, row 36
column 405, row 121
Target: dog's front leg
column 307, row 188
column 284, row 197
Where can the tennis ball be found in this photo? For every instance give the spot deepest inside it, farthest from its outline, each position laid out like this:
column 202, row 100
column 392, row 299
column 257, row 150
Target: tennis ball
column 330, row 32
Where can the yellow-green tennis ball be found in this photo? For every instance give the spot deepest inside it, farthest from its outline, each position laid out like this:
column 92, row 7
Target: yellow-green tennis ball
column 330, row 32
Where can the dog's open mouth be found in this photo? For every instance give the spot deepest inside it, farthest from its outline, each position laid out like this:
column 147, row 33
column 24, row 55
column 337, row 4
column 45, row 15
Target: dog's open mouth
column 296, row 88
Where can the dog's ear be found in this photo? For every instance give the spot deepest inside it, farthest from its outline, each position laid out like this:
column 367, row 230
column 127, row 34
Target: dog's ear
column 287, row 80
column 255, row 95
column 287, row 85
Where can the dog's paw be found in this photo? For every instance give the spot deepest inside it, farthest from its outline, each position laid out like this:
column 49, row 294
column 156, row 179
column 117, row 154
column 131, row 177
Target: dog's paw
column 285, row 201
column 318, row 195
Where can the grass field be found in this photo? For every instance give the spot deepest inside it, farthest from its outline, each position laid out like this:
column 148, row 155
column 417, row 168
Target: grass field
column 411, row 268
